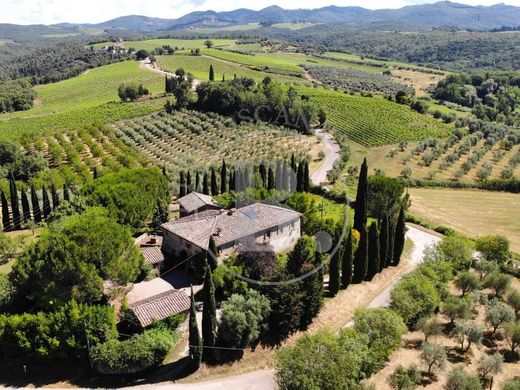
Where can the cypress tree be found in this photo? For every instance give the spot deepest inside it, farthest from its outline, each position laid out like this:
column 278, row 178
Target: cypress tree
column 197, row 181
column 37, row 212
column 263, row 174
column 6, row 218
column 212, row 256
column 205, row 185
column 195, row 341
column 270, row 179
column 391, row 242
column 54, row 196
column 223, row 77
column 15, row 204
column 292, row 175
column 335, row 272
column 66, row 194
column 209, row 317
column 211, row 73
column 306, row 177
column 346, row 264
column 373, row 251
column 188, row 182
column 361, row 257
column 400, row 237
column 312, row 286
column 223, row 178
column 279, row 175
column 383, row 243
column 286, row 177
column 182, row 185
column 299, row 178
column 360, row 207
column 26, row 209
column 214, row 187
column 95, row 173
column 47, row 209
column 232, row 180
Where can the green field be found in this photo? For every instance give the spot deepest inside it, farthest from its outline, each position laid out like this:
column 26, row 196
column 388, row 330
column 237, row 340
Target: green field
column 375, row 121
column 293, row 26
column 151, row 44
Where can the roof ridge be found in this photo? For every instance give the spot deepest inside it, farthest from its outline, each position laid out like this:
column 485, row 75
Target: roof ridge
column 156, row 297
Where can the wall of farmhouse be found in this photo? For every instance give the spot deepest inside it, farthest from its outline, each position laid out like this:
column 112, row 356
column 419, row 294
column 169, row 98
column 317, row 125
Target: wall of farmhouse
column 174, row 246
column 283, row 238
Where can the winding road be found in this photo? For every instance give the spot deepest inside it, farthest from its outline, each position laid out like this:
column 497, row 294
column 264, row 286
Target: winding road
column 332, row 154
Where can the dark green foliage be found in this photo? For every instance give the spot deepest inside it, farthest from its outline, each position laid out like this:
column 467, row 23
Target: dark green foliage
column 361, row 205
column 212, row 255
column 346, row 263
column 306, row 177
column 182, row 185
column 130, row 196
column 6, row 217
column 55, row 337
column 54, row 196
column 180, row 86
column 26, row 209
column 66, row 193
column 384, row 238
column 37, row 213
column 132, row 355
column 459, row 379
column 71, row 260
column 195, row 341
column 405, row 378
column 335, row 271
column 373, row 251
column 15, row 204
column 361, row 257
column 47, row 208
column 270, row 180
column 16, row 95
column 399, row 238
column 211, row 73
column 131, row 92
column 188, row 183
column 300, row 185
column 214, row 185
column 209, row 318
column 205, row 184
column 385, row 196
column 223, row 178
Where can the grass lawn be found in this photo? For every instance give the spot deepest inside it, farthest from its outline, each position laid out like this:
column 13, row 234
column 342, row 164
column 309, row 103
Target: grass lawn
column 331, row 209
column 22, row 238
column 473, row 213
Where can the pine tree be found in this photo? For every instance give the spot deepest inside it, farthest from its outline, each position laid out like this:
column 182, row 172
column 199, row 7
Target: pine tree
column 335, row 272
column 54, row 196
column 299, row 178
column 188, row 182
column 209, row 317
column 223, row 178
column 361, row 257
column 205, row 184
column 306, row 177
column 47, row 209
column 383, row 243
column 37, row 212
column 66, row 194
column 15, row 204
column 346, row 264
column 214, row 187
column 360, row 209
column 373, row 251
column 182, row 185
column 400, row 237
column 212, row 256
column 26, row 209
column 6, row 217
column 195, row 341
column 270, row 179
column 211, row 73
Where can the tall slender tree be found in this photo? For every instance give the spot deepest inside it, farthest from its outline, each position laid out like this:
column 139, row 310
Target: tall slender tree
column 209, row 317
column 47, row 209
column 270, row 179
column 361, row 205
column 346, row 264
column 54, row 196
column 293, row 171
column 26, row 209
column 306, row 177
column 195, row 341
column 205, row 184
column 6, row 217
column 299, row 178
column 223, row 178
column 37, row 212
column 279, row 174
column 400, row 237
column 232, row 180
column 197, row 181
column 286, row 177
column 263, row 174
column 188, row 182
column 182, row 185
column 212, row 257
column 211, row 73
column 335, row 271
column 361, row 257
column 15, row 203
column 384, row 236
column 66, row 193
column 214, row 186
column 373, row 251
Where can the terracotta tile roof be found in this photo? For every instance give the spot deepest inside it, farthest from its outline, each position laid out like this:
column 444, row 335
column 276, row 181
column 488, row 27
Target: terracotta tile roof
column 160, row 306
column 194, row 201
column 228, row 226
column 152, row 254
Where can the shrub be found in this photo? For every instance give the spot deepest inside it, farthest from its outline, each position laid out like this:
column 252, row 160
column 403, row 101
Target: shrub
column 433, row 355
column 459, row 379
column 405, row 378
column 133, row 355
column 499, row 282
column 467, row 282
column 512, row 384
column 498, row 313
column 494, row 248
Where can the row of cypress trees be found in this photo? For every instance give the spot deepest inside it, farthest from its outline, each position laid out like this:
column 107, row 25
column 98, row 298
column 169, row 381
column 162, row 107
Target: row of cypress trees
column 14, row 218
column 284, row 177
column 379, row 247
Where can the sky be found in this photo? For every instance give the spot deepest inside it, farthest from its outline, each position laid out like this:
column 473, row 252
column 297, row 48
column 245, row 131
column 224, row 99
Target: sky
column 95, row 11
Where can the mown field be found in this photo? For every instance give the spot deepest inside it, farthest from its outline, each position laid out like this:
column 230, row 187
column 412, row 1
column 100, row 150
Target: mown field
column 151, row 44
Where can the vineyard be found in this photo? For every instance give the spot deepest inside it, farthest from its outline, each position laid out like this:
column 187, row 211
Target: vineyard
column 194, row 140
column 375, row 121
column 150, row 44
column 355, row 80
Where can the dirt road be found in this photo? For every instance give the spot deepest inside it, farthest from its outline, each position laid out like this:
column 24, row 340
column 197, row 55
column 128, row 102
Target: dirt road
column 332, row 151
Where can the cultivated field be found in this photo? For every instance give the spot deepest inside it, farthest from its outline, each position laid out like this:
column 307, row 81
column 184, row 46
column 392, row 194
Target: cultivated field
column 473, row 213
column 150, row 44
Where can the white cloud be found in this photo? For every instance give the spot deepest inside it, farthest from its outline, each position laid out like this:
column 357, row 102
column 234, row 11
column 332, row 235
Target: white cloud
column 95, row 11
